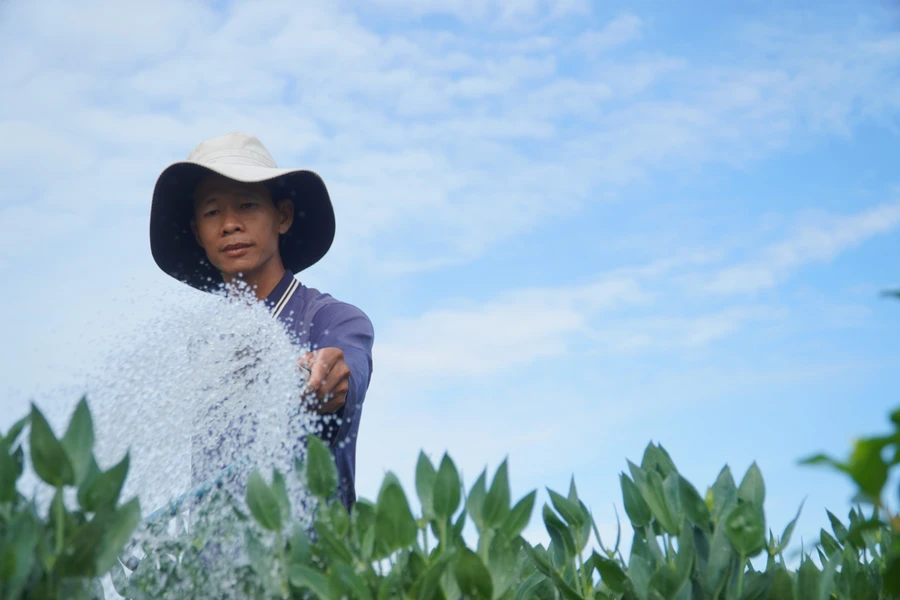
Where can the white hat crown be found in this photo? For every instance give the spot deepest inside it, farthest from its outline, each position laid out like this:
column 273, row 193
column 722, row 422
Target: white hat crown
column 233, row 149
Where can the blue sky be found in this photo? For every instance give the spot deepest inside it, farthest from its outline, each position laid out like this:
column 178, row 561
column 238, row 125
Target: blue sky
column 576, row 227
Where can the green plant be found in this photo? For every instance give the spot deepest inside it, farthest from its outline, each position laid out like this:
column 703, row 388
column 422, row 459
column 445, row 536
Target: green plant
column 60, row 553
column 877, row 536
column 685, row 545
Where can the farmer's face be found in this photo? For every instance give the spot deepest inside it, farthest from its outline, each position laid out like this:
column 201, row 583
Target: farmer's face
column 238, row 225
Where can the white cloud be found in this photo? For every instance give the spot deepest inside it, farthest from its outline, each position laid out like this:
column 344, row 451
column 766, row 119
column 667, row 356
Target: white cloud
column 618, row 32
column 514, row 331
column 496, row 12
column 416, row 131
column 811, row 243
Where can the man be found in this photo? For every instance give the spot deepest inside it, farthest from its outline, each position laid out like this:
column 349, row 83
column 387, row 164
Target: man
column 228, row 214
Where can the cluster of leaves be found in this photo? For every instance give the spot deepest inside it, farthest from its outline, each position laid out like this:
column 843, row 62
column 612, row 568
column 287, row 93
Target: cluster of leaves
column 685, row 546
column 869, row 465
column 60, row 553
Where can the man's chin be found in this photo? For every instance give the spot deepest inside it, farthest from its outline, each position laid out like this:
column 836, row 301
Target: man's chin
column 237, row 270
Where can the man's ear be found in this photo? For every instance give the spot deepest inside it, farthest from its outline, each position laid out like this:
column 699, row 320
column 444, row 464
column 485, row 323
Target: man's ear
column 286, row 215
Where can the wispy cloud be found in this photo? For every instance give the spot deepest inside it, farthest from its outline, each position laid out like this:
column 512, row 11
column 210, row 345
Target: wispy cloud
column 811, row 243
column 440, row 122
column 618, row 32
column 513, row 331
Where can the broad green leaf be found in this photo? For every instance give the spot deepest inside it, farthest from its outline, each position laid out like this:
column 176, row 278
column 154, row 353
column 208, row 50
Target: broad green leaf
column 101, row 490
column 395, row 526
column 446, row 496
column 517, row 519
column 429, row 583
column 808, row 581
column 650, row 484
column 570, row 511
column 425, row 477
column 529, row 587
column 866, row 466
column 13, row 434
column 840, row 531
column 756, row 586
column 279, row 487
column 475, row 501
column 610, row 573
column 340, row 520
column 892, row 575
column 573, row 491
column 48, row 457
column 305, row 577
column 496, row 502
column 639, row 572
column 321, row 472
column 78, row 440
column 672, row 496
column 568, row 592
column 826, row 580
column 362, row 518
column 687, row 553
column 693, row 506
column 501, row 563
column 724, row 494
column 829, row 544
column 721, row 559
column 10, row 471
column 335, row 549
column 559, row 533
column 472, row 576
column 583, row 534
column 352, row 583
column 782, row 585
column 25, row 534
column 300, row 548
column 539, row 557
column 657, row 459
column 7, row 563
column 637, row 510
column 752, row 489
column 746, row 529
column 666, row 582
column 119, row 530
column 263, row 503
column 789, row 530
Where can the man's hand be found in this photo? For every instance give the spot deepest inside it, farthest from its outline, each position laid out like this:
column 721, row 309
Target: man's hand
column 329, row 378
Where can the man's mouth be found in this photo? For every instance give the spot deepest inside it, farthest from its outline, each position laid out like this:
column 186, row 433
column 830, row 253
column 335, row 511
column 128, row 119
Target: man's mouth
column 235, row 249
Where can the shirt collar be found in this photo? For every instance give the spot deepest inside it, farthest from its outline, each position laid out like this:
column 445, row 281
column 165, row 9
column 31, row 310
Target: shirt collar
column 278, row 293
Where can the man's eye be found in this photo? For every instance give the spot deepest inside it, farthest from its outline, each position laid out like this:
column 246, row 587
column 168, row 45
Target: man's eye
column 248, row 204
column 211, row 213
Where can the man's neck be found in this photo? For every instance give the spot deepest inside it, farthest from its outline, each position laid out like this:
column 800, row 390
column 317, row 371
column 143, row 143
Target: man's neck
column 263, row 281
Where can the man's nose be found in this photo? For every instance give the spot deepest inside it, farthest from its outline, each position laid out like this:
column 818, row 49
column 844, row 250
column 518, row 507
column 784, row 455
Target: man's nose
column 231, row 222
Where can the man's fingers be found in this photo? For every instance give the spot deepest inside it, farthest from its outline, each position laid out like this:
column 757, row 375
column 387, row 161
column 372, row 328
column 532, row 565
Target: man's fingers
column 335, row 376
column 306, row 360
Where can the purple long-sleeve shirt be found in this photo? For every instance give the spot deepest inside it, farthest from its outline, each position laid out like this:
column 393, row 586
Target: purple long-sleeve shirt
column 318, row 319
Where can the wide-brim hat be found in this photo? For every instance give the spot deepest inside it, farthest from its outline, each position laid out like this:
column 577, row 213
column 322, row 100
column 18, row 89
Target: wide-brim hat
column 242, row 158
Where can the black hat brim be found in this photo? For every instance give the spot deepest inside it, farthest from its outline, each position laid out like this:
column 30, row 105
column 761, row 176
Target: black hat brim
column 175, row 249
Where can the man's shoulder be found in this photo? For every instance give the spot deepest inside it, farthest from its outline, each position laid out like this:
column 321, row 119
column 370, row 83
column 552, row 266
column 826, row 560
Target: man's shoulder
column 319, row 307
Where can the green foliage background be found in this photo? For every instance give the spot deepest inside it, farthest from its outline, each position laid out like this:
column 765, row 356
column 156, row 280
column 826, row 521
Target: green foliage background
column 685, row 545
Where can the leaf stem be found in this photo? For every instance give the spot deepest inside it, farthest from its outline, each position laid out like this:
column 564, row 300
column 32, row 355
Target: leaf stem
column 582, row 576
column 60, row 515
column 742, row 566
column 282, row 561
